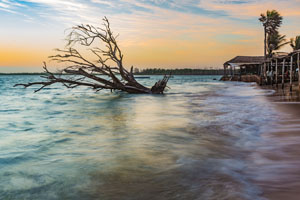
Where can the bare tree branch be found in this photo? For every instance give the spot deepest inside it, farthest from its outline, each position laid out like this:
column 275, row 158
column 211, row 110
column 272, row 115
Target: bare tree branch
column 95, row 74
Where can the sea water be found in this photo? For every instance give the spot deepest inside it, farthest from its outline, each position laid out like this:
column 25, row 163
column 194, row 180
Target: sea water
column 193, row 142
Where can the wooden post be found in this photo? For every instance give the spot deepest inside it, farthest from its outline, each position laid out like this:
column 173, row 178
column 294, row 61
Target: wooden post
column 271, row 72
column 291, row 73
column 265, row 70
column 282, row 80
column 233, row 71
column 268, row 70
column 261, row 75
column 240, row 73
column 298, row 63
column 276, row 73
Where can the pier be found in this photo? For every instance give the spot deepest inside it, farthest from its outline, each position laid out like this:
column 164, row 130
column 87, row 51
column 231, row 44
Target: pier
column 281, row 70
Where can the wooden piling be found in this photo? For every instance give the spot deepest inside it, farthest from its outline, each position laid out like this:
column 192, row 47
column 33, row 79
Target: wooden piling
column 233, row 71
column 291, row 73
column 298, row 64
column 265, row 69
column 271, row 72
column 282, row 80
column 276, row 69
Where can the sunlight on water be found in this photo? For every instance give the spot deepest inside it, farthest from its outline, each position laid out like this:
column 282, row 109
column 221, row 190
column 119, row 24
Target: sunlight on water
column 187, row 144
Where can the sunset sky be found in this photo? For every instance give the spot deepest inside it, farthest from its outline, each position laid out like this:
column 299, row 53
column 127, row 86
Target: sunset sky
column 153, row 33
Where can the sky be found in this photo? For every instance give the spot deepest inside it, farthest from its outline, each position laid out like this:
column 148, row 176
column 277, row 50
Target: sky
column 153, row 33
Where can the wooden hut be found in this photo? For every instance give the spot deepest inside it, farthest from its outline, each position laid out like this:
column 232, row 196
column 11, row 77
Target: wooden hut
column 240, row 66
column 282, row 68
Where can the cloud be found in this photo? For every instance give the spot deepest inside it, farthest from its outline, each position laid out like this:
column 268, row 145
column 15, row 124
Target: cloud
column 251, row 8
column 180, row 31
column 4, row 5
column 8, row 6
column 67, row 11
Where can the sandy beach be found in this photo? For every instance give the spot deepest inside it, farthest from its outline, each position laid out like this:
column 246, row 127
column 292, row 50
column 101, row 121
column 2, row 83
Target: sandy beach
column 277, row 158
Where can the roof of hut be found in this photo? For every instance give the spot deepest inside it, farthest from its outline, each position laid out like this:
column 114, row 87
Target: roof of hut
column 283, row 55
column 245, row 60
column 280, row 55
column 294, row 52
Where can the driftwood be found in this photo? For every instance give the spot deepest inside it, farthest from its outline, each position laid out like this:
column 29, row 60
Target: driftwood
column 98, row 74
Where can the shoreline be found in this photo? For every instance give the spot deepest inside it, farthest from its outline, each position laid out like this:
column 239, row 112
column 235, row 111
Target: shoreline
column 277, row 157
column 284, row 94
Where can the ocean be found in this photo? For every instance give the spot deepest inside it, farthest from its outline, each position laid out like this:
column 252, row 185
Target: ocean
column 193, row 142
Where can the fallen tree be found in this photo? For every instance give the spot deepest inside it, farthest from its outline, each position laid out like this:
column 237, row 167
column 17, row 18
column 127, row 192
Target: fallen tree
column 97, row 74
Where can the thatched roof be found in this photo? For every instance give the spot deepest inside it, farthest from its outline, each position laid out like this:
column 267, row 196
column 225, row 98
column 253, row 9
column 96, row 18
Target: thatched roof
column 245, row 60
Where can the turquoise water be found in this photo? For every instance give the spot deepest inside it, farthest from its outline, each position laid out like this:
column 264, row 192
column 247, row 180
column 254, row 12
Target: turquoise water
column 191, row 143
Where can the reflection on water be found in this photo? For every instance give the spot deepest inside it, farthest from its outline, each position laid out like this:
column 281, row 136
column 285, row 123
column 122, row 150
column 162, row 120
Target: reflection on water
column 190, row 143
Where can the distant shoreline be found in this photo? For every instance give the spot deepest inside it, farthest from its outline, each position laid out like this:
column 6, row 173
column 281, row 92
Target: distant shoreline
column 40, row 74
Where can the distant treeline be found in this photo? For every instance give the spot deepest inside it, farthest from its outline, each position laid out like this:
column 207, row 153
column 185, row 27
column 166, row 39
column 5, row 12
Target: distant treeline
column 153, row 71
column 186, row 71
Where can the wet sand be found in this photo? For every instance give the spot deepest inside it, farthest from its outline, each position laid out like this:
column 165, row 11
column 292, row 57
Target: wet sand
column 276, row 160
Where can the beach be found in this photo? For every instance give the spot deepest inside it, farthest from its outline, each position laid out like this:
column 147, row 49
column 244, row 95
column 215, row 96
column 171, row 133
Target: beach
column 277, row 157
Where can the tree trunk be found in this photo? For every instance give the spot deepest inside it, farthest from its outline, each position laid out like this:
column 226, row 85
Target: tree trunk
column 265, row 42
column 85, row 72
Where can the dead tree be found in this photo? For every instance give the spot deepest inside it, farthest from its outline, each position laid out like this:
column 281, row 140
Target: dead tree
column 97, row 74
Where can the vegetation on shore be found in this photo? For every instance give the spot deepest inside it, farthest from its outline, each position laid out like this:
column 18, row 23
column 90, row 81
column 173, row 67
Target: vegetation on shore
column 148, row 71
column 185, row 71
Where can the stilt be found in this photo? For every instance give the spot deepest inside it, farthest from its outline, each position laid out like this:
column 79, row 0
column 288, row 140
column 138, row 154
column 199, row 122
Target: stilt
column 291, row 74
column 271, row 73
column 233, row 71
column 276, row 76
column 265, row 70
column 282, row 80
column 261, row 75
column 225, row 74
column 298, row 63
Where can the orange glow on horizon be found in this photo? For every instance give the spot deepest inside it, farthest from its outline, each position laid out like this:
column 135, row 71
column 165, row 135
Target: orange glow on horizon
column 24, row 57
column 205, row 36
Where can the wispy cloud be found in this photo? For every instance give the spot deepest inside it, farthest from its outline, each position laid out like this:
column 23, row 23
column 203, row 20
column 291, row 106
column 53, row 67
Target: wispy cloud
column 10, row 6
column 87, row 10
column 188, row 31
column 251, row 8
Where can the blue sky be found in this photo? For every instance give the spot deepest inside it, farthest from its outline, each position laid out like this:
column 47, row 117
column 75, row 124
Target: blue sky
column 153, row 33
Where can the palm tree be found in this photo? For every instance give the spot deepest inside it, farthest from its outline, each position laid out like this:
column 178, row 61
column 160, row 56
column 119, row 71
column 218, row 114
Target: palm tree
column 274, row 42
column 295, row 43
column 271, row 22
